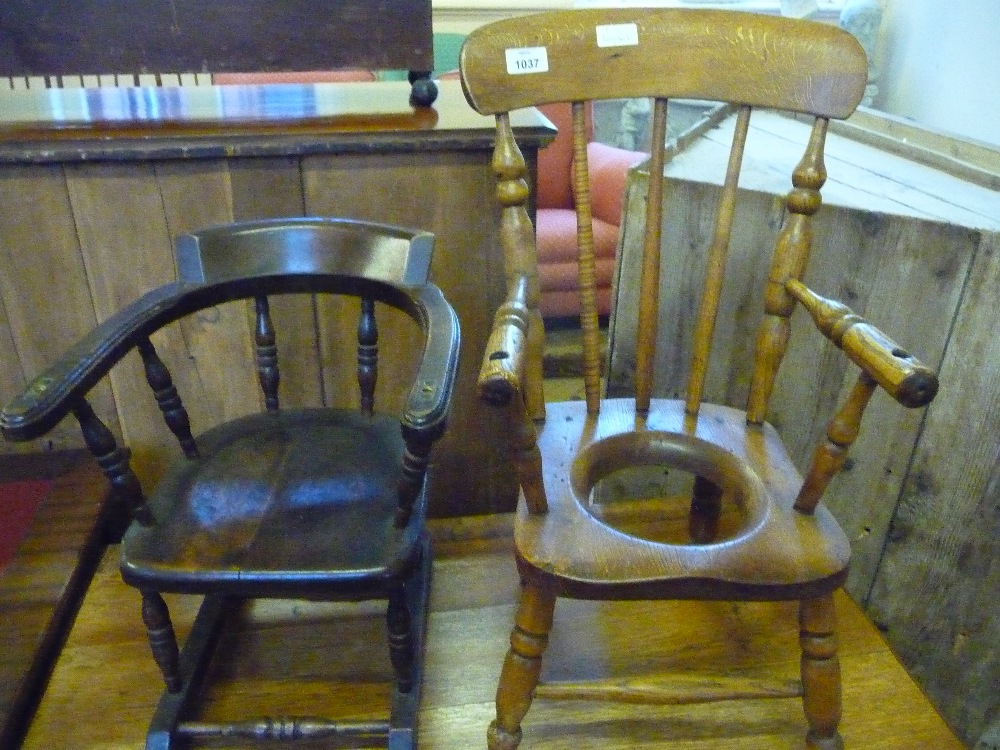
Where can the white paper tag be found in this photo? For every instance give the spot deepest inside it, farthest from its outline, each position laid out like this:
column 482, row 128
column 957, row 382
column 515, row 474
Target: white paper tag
column 521, row 60
column 618, row 35
column 798, row 8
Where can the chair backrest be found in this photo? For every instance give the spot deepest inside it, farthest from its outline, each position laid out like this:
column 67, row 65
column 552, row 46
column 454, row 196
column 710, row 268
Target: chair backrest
column 373, row 262
column 748, row 60
column 252, row 260
column 254, row 249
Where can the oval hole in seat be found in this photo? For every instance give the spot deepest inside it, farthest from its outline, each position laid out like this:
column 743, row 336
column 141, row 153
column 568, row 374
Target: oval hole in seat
column 642, row 484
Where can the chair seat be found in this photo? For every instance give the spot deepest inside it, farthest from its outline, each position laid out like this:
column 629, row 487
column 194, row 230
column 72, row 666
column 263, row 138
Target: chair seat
column 774, row 552
column 303, row 499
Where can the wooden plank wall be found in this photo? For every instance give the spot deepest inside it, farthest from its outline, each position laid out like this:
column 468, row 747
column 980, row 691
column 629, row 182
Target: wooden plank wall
column 936, row 591
column 88, row 238
column 914, row 251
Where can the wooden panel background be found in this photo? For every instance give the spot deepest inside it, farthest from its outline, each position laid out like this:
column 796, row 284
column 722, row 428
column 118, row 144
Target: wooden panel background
column 87, row 238
column 900, row 244
column 466, row 257
column 935, row 595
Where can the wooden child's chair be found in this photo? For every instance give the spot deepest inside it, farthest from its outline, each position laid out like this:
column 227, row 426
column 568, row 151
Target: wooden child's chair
column 755, row 529
column 303, row 503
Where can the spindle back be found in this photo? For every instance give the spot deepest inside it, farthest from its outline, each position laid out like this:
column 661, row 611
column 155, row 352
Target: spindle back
column 628, row 498
column 251, row 260
column 747, row 60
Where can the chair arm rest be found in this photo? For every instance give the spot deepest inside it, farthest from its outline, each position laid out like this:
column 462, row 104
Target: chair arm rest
column 51, row 395
column 905, row 378
column 426, row 409
column 502, row 371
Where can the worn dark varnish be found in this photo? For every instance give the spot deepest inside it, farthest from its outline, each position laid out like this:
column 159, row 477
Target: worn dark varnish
column 194, row 36
column 94, row 37
column 314, row 503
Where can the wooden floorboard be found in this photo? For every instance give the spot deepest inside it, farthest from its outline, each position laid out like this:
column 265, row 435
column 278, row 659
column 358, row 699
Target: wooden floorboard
column 44, row 584
column 299, row 658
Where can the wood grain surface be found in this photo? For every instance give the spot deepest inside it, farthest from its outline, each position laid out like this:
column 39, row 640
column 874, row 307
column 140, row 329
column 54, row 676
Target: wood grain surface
column 45, row 582
column 191, row 36
column 105, row 684
column 935, row 592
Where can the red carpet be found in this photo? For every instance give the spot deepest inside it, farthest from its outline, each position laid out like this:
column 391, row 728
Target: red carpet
column 18, row 503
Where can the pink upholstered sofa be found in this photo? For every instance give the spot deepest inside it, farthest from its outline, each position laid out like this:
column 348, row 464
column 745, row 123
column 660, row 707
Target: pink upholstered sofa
column 555, row 226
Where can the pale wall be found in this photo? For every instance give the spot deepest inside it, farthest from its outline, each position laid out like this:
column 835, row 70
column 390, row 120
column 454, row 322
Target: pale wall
column 939, row 60
column 940, row 65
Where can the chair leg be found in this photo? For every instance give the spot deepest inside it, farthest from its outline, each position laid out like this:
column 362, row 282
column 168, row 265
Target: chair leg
column 403, row 716
column 162, row 640
column 397, row 618
column 522, row 666
column 194, row 662
column 820, row 673
column 706, row 505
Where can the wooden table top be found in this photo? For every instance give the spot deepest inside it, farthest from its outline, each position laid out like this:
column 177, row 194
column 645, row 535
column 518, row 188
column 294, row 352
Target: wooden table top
column 105, row 684
column 185, row 122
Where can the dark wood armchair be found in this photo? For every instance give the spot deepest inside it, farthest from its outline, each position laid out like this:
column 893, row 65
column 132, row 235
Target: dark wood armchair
column 742, row 524
column 311, row 503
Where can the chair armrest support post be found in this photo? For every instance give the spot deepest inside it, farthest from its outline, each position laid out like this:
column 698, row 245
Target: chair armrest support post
column 53, row 394
column 114, row 462
column 840, row 436
column 522, row 437
column 413, row 472
column 501, row 384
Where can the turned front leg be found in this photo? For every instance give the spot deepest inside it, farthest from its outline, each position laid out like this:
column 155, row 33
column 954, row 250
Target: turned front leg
column 162, row 641
column 820, row 673
column 522, row 666
column 399, row 625
column 411, row 481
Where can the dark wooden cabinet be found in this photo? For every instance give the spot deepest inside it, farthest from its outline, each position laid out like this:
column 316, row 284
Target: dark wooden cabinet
column 193, row 36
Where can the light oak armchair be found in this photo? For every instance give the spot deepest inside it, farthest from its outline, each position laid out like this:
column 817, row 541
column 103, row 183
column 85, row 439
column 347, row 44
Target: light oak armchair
column 744, row 526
